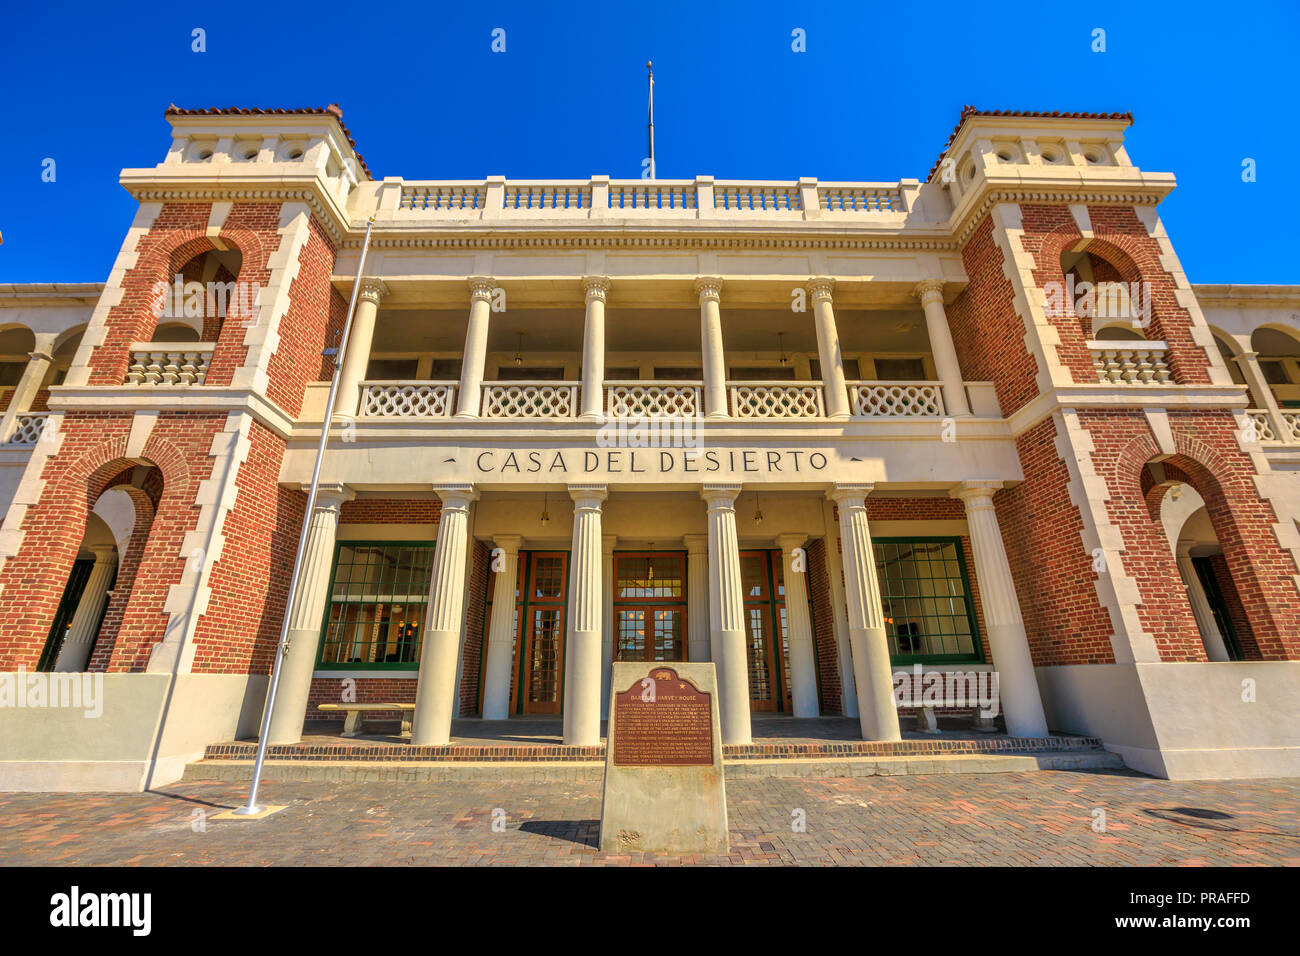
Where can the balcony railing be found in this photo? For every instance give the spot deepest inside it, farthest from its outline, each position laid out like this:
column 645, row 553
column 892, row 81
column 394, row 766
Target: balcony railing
column 27, row 428
column 654, row 399
column 169, row 363
column 1265, row 430
column 776, row 399
column 1131, row 363
column 530, row 400
column 896, row 399
column 408, row 399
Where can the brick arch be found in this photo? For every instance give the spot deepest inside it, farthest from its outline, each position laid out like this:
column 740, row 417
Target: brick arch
column 128, row 566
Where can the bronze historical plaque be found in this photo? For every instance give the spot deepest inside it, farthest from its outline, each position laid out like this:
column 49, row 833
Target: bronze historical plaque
column 663, row 721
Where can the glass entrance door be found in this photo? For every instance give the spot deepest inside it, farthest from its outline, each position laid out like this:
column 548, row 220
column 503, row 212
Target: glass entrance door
column 542, row 612
column 767, row 641
column 649, row 606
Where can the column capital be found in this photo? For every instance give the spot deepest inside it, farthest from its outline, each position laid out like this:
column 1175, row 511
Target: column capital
column 44, row 344
column 588, row 496
column 819, row 288
column 509, row 543
column 1247, row 356
column 595, row 287
column 696, row 543
column 372, row 290
column 330, row 494
column 788, row 542
column 849, row 494
column 708, row 287
column 456, row 496
column 929, row 290
column 103, row 552
column 721, row 495
column 976, row 494
column 480, row 287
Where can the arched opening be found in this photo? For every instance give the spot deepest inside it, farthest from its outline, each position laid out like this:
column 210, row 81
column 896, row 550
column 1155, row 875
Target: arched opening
column 1279, row 360
column 176, row 332
column 199, row 296
column 1228, row 352
column 1119, row 333
column 1102, row 296
column 16, row 344
column 85, row 623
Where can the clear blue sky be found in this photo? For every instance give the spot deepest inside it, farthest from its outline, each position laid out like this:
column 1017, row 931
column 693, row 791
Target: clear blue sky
column 873, row 98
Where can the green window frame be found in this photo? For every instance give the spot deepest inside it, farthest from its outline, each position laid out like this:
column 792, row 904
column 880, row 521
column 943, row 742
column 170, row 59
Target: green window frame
column 366, row 594
column 927, row 596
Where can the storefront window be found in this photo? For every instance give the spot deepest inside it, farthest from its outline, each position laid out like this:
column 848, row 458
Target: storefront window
column 377, row 603
column 925, row 594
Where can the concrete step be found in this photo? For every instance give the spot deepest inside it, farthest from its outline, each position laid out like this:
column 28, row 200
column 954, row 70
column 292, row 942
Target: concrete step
column 591, row 773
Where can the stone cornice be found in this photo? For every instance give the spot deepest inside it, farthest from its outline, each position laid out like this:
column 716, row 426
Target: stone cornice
column 975, row 206
column 181, row 398
column 1134, row 398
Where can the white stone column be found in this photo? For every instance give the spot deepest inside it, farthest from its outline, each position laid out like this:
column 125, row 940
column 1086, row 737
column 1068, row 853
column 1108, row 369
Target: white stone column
column 709, row 290
column 803, row 663
column 828, row 349
column 24, row 393
column 697, row 597
column 593, row 348
column 501, row 628
column 583, row 629
column 872, row 675
column 77, row 644
column 1216, row 649
column 930, row 292
column 307, row 616
column 360, row 339
column 607, row 544
column 1021, row 704
column 1261, row 394
column 474, row 359
column 435, row 691
column 727, row 631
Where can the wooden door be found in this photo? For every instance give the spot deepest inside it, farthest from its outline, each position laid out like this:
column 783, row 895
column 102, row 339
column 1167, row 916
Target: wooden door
column 542, row 666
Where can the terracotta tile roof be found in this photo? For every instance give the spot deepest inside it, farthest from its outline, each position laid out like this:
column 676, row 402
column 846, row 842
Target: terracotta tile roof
column 968, row 111
column 333, row 110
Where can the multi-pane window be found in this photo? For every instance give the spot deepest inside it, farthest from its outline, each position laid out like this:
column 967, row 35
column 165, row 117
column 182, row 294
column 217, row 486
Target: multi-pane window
column 925, row 595
column 650, row 606
column 377, row 603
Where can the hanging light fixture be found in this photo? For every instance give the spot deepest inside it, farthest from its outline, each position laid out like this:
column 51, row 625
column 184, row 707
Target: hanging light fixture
column 784, row 359
column 546, row 518
column 758, row 510
column 519, row 349
column 650, row 565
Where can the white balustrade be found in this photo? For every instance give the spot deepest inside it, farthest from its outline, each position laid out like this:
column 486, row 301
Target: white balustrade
column 1292, row 422
column 530, row 400
column 776, row 399
column 407, row 399
column 27, row 428
column 1265, row 430
column 548, row 197
column 443, row 197
column 654, row 399
column 756, row 197
column 896, row 399
column 658, row 195
column 1131, row 363
column 169, row 363
column 861, row 197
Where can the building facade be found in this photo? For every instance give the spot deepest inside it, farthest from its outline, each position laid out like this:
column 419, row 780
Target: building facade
column 812, row 432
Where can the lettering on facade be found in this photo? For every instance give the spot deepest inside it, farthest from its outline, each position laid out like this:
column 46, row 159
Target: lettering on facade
column 623, row 461
column 668, row 724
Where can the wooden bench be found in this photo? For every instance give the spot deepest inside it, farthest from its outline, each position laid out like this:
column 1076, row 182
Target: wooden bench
column 354, row 722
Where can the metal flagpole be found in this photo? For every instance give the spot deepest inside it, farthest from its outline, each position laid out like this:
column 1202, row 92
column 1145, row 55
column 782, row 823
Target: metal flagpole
column 649, row 68
column 283, row 646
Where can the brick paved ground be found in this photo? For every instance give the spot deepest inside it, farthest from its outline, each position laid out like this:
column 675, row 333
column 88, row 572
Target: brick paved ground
column 1032, row 818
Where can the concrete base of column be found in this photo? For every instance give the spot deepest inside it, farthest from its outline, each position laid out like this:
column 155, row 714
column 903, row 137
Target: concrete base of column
column 435, row 692
column 1022, row 704
column 875, row 685
column 733, row 686
column 582, row 689
column 291, row 696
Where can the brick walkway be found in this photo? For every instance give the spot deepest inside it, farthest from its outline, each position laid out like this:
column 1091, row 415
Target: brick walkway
column 1033, row 818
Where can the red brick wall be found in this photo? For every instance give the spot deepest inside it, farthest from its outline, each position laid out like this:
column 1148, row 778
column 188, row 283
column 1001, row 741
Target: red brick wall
column 828, row 662
column 369, row 690
column 391, row 511
column 475, row 605
column 1236, row 613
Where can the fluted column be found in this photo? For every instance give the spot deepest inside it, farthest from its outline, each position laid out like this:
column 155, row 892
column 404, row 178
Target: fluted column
column 1261, row 394
column 75, row 652
column 501, row 629
column 470, row 392
column 607, row 544
column 435, row 691
column 593, row 347
column 307, row 616
column 828, row 348
column 727, row 631
column 697, row 597
column 930, row 292
column 1215, row 647
column 583, row 630
column 360, row 339
column 709, row 290
column 24, row 393
column 803, row 664
column 869, row 645
column 1021, row 703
